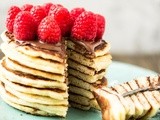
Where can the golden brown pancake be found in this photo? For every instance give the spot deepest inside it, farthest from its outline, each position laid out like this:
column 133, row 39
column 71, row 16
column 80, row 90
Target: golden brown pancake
column 36, row 98
column 24, row 79
column 82, row 68
column 141, row 91
column 53, row 93
column 31, row 50
column 33, row 62
column 85, row 85
column 85, row 77
column 21, row 68
column 97, row 63
column 17, row 103
column 79, row 106
column 100, row 50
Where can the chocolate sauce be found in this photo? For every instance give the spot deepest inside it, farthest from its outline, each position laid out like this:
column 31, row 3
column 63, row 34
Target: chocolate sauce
column 152, row 88
column 57, row 47
column 102, row 83
column 90, row 46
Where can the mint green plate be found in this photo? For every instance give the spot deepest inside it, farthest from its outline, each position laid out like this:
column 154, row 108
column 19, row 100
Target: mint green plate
column 117, row 73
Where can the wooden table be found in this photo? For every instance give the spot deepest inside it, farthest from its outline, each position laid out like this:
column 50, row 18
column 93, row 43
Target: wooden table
column 147, row 61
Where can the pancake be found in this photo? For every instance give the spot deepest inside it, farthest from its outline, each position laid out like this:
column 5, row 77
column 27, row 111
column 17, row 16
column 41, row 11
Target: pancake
column 21, row 68
column 97, row 63
column 99, row 51
column 79, row 99
column 114, row 112
column 141, row 91
column 84, row 69
column 156, row 94
column 94, row 104
column 27, row 109
column 121, row 90
column 79, row 106
column 150, row 82
column 138, row 105
column 23, row 79
column 33, row 62
column 81, row 91
column 30, row 50
column 85, row 77
column 36, row 98
column 35, row 91
column 85, row 85
column 56, row 110
column 84, row 101
column 142, row 99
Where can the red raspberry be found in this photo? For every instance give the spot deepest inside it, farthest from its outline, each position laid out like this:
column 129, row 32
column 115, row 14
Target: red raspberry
column 100, row 26
column 75, row 13
column 85, row 27
column 49, row 31
column 62, row 16
column 38, row 13
column 24, row 26
column 47, row 7
column 26, row 7
column 12, row 12
column 59, row 5
column 53, row 7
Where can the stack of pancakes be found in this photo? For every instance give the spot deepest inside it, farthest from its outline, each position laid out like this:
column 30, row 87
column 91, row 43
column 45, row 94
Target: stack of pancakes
column 87, row 63
column 33, row 78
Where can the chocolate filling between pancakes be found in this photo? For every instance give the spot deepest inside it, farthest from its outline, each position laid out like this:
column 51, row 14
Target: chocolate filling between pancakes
column 38, row 45
column 89, row 47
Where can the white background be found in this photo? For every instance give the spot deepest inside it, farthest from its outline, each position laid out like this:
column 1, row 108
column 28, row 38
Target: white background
column 133, row 26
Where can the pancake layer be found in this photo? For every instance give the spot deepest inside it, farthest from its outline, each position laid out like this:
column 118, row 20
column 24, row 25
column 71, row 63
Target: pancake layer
column 86, row 73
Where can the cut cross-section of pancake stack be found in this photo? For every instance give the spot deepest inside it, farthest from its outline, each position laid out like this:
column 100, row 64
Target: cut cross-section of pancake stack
column 87, row 66
column 137, row 99
column 33, row 79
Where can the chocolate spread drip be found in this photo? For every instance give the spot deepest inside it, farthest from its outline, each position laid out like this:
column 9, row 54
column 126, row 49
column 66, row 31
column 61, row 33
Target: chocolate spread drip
column 89, row 45
column 57, row 47
column 152, row 88
column 101, row 83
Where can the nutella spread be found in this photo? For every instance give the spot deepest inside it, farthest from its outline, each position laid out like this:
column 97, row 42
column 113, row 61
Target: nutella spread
column 46, row 47
column 150, row 88
column 89, row 46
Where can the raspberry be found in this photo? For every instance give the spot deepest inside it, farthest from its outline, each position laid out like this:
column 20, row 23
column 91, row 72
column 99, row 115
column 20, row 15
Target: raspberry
column 59, row 5
column 100, row 26
column 26, row 7
column 53, row 7
column 75, row 13
column 12, row 12
column 24, row 26
column 49, row 31
column 62, row 16
column 47, row 7
column 85, row 27
column 38, row 13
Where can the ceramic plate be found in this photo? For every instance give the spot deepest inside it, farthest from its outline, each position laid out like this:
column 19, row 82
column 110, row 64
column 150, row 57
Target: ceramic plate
column 117, row 73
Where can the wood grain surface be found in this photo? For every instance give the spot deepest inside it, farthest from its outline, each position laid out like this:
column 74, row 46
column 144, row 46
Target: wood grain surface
column 151, row 62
